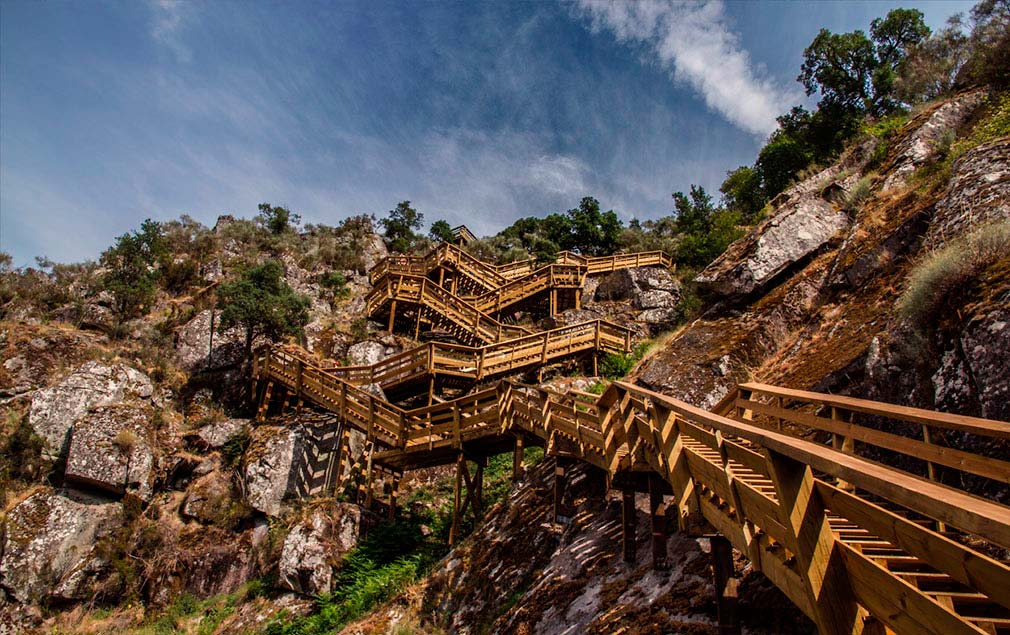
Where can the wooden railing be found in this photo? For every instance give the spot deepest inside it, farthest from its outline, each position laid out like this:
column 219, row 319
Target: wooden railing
column 484, row 362
column 856, row 544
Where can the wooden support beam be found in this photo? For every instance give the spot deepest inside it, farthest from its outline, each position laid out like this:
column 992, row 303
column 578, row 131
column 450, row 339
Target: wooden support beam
column 657, row 515
column 726, row 584
column 261, row 412
column 368, row 476
column 457, row 500
column 517, row 459
column 820, row 564
column 560, row 481
column 392, row 315
column 394, row 487
column 629, row 523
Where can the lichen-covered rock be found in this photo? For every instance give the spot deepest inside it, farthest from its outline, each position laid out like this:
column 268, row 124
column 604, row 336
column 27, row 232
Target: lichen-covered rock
column 972, row 375
column 215, row 435
column 112, row 449
column 48, row 536
column 371, row 352
column 922, row 144
column 645, row 287
column 193, row 345
column 790, row 236
column 315, row 546
column 55, row 409
column 270, row 467
column 979, row 193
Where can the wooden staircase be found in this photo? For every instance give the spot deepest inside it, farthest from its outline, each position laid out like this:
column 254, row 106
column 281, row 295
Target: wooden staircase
column 857, row 545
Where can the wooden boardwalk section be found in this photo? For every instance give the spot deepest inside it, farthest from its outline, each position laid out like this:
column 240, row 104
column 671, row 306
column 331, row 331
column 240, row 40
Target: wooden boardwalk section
column 866, row 515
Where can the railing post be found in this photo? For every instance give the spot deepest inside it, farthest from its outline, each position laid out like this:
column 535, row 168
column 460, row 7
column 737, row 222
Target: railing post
column 629, row 522
column 842, row 443
column 657, row 517
column 726, row 584
column 403, row 430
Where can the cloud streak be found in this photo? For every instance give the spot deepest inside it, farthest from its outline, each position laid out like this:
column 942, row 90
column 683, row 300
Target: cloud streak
column 695, row 43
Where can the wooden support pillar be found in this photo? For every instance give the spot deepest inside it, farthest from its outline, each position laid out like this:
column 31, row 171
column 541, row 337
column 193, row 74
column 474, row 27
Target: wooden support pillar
column 286, row 403
column 368, row 476
column 657, row 514
column 261, row 412
column 417, row 324
column 726, row 583
column 560, row 481
column 478, row 490
column 394, row 487
column 596, row 364
column 457, row 500
column 578, row 299
column 629, row 522
column 333, row 460
column 517, row 460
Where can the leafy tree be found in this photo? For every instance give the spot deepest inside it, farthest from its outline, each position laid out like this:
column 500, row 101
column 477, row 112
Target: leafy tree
column 693, row 213
column 400, row 225
column 262, row 303
column 856, row 72
column 134, row 267
column 699, row 249
column 592, row 232
column 779, row 162
column 441, row 232
column 931, row 67
column 989, row 61
column 742, row 192
column 277, row 220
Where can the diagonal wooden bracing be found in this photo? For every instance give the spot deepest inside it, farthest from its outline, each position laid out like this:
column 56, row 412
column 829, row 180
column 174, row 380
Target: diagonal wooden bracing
column 856, row 544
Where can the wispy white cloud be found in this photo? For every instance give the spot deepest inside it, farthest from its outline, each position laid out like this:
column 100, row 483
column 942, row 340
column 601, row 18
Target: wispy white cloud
column 694, row 41
column 168, row 19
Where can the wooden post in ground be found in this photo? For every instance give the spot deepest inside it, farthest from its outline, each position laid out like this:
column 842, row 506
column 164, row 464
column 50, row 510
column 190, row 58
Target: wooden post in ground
column 478, row 490
column 392, row 315
column 368, row 476
column 261, row 412
column 657, row 514
column 457, row 499
column 726, row 584
column 629, row 522
column 560, row 480
column 517, row 459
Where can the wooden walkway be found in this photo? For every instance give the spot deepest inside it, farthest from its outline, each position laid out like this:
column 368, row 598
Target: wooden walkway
column 453, row 291
column 859, row 546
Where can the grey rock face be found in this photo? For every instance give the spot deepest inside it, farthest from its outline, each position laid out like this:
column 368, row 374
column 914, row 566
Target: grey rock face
column 652, row 290
column 370, row 352
column 54, row 409
column 48, row 537
column 979, row 193
column 795, row 232
column 215, row 435
column 193, row 342
column 269, row 467
column 111, row 448
column 922, row 144
column 977, row 379
column 373, row 251
column 208, row 498
column 315, row 545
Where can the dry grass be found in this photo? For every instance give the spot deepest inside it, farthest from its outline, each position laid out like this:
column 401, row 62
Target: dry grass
column 943, row 274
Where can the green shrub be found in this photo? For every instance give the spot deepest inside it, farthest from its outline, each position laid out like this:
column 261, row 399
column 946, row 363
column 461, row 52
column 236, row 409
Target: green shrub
column 616, row 366
column 335, row 282
column 21, row 455
column 938, row 280
column 234, row 448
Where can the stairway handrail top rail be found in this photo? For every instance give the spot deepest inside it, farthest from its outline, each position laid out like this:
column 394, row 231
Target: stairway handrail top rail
column 985, row 518
column 963, row 423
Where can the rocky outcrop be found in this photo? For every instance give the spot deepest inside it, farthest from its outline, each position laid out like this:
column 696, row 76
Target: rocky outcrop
column 210, row 499
column 653, row 291
column 924, row 142
column 193, row 345
column 55, row 409
column 793, row 234
column 49, row 539
column 979, row 193
column 314, row 547
column 270, row 469
column 112, row 449
column 372, row 351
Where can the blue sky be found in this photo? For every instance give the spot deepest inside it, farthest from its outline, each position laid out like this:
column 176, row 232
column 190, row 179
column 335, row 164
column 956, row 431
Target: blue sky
column 477, row 112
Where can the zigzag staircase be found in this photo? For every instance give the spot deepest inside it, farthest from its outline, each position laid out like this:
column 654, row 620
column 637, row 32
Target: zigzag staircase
column 857, row 545
column 789, row 478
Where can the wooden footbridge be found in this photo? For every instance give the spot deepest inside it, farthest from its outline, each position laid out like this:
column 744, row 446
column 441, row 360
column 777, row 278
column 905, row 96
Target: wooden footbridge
column 868, row 516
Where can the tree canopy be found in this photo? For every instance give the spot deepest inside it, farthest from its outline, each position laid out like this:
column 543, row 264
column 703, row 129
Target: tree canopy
column 400, row 226
column 134, row 267
column 441, row 232
column 262, row 303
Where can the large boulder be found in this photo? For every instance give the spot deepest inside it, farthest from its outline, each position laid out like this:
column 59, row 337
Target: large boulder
column 373, row 250
column 112, row 449
column 55, row 409
column 372, row 351
column 48, row 537
column 215, row 435
column 270, row 472
column 923, row 143
column 797, row 231
column 193, row 345
column 211, row 500
column 314, row 548
column 653, row 291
